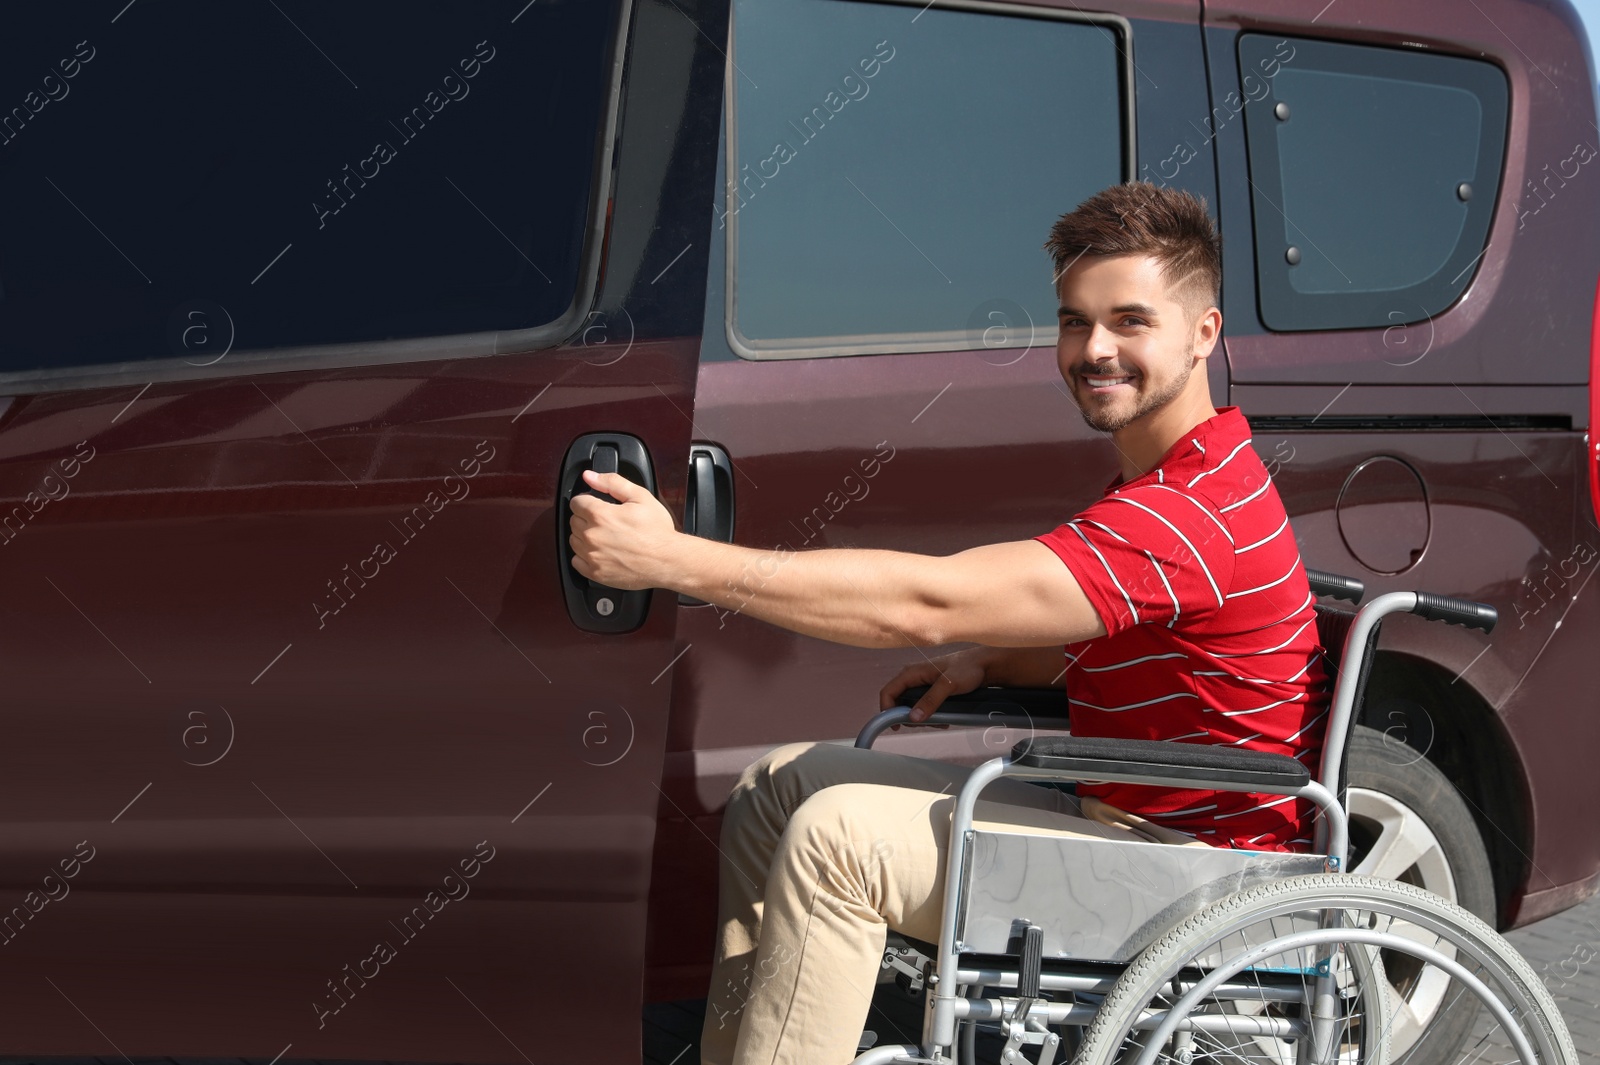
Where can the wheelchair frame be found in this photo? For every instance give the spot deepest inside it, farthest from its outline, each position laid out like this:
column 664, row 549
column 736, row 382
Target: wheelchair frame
column 1065, row 758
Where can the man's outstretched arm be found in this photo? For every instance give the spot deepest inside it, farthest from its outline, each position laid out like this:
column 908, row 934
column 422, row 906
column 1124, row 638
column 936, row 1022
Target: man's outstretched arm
column 1001, row 595
column 860, row 597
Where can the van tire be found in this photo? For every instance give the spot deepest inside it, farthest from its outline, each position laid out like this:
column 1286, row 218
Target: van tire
column 1397, row 796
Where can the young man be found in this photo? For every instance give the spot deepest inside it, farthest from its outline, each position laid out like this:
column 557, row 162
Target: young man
column 1178, row 599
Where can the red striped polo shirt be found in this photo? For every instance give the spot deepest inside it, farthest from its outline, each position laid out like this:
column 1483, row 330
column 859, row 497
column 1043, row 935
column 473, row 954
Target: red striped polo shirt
column 1211, row 635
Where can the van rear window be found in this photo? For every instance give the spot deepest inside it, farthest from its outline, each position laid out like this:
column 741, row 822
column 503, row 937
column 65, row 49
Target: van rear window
column 1374, row 174
column 181, row 174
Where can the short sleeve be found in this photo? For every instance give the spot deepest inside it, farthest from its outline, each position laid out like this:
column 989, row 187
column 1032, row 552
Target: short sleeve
column 1148, row 555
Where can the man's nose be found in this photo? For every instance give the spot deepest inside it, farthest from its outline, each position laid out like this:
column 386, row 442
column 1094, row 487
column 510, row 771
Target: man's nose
column 1101, row 346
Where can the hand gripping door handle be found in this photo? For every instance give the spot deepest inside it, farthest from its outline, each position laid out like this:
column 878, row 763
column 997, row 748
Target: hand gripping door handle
column 595, row 607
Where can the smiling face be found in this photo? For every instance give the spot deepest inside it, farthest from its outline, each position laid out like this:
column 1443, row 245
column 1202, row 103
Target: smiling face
column 1121, row 326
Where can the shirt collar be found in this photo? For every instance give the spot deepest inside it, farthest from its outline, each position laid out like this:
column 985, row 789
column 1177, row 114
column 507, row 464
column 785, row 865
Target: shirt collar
column 1227, row 428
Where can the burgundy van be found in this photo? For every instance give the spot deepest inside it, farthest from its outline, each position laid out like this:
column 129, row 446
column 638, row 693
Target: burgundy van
column 312, row 314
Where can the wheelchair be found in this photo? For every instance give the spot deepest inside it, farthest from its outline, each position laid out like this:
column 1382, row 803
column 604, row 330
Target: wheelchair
column 1142, row 952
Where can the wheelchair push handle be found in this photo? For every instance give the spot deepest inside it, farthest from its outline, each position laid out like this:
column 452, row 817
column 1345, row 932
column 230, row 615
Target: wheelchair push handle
column 1456, row 611
column 1335, row 585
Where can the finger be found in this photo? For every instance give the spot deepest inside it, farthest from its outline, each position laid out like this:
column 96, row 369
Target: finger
column 612, row 484
column 894, row 692
column 924, row 706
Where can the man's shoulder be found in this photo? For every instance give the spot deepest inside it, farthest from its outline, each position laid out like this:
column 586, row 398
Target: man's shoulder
column 1179, row 506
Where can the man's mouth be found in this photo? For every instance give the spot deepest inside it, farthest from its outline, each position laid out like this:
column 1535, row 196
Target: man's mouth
column 1106, row 383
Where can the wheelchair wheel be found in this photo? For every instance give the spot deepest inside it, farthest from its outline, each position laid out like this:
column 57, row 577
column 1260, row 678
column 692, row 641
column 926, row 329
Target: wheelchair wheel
column 1380, row 918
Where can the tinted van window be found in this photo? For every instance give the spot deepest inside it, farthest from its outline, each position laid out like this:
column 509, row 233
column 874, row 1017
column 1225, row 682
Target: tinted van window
column 893, row 173
column 308, row 173
column 1375, row 172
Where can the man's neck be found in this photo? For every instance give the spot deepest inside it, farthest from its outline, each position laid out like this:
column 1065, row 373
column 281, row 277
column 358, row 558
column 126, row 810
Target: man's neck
column 1141, row 445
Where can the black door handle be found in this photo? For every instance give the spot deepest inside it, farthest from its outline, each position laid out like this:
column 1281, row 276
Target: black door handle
column 704, row 486
column 708, row 512
column 595, row 607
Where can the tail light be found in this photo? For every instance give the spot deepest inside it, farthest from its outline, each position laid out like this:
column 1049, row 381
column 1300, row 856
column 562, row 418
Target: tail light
column 1592, row 437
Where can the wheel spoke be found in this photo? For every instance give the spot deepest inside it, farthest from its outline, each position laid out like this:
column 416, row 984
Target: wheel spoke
column 1403, row 839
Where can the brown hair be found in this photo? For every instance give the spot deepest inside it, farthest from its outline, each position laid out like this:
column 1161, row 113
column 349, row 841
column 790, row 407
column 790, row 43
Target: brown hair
column 1143, row 218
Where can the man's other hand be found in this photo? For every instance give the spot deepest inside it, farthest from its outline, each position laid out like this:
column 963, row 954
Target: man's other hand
column 947, row 675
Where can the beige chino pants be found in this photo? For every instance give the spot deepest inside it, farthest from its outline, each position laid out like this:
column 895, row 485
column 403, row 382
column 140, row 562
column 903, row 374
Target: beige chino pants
column 826, row 847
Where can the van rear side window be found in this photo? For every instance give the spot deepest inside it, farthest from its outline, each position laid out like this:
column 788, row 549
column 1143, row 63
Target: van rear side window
column 189, row 174
column 1375, row 172
column 894, row 170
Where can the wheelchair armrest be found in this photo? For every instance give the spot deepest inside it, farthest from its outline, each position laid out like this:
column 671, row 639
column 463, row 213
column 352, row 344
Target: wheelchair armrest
column 1083, row 757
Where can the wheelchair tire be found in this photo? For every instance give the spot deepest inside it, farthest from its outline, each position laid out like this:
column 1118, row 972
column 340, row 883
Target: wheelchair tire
column 1425, row 919
column 1401, row 801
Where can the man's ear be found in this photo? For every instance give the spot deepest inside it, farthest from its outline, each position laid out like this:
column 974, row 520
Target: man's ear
column 1207, row 330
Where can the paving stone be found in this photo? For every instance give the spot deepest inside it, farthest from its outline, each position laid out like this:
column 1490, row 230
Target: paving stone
column 1564, row 951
